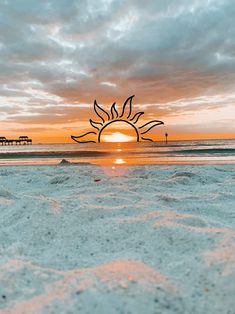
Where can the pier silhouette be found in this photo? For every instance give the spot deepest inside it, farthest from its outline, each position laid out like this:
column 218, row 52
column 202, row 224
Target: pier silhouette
column 22, row 140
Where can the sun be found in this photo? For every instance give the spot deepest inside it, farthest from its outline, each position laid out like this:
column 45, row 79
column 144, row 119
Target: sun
column 109, row 119
column 117, row 137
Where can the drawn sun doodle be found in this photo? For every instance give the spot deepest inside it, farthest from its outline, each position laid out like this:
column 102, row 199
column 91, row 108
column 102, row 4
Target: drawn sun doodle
column 113, row 117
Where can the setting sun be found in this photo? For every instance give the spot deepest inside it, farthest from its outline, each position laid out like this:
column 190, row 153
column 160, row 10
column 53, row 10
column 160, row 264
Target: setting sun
column 114, row 119
column 118, row 137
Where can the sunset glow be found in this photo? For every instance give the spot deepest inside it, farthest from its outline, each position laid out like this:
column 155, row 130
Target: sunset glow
column 51, row 70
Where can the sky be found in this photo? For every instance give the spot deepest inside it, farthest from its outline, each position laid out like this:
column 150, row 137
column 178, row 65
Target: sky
column 177, row 58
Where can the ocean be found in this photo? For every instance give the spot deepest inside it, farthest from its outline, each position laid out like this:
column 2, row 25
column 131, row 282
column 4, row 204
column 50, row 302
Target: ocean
column 175, row 152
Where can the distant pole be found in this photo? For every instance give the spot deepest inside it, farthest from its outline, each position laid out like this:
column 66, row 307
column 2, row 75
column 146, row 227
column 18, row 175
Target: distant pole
column 166, row 137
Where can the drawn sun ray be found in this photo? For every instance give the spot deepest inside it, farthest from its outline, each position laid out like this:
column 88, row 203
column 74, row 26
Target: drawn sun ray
column 114, row 111
column 79, row 139
column 152, row 125
column 136, row 117
column 108, row 119
column 100, row 111
column 95, row 124
column 146, row 139
column 127, row 107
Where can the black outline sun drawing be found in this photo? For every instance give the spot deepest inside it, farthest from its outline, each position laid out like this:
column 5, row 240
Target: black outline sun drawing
column 126, row 116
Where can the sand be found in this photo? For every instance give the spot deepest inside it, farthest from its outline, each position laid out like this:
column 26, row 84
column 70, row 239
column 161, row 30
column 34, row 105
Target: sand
column 137, row 239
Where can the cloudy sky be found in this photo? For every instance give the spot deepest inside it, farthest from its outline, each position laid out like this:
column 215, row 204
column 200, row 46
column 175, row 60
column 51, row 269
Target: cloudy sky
column 176, row 56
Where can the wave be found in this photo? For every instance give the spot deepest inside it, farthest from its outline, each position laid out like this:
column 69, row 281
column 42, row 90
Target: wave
column 209, row 151
column 52, row 154
column 74, row 154
column 193, row 152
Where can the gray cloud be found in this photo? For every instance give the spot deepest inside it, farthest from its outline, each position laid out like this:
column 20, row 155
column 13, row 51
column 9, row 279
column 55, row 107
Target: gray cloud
column 58, row 52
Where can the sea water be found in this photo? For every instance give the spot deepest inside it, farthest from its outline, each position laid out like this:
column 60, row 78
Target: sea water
column 174, row 152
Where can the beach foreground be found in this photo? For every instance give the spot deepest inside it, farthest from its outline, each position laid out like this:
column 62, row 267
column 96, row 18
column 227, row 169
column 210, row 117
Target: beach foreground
column 137, row 239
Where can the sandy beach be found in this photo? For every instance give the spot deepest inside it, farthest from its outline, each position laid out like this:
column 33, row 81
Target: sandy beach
column 137, row 239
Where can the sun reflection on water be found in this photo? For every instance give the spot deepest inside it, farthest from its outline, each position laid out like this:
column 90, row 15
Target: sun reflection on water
column 115, row 164
column 119, row 161
column 115, row 167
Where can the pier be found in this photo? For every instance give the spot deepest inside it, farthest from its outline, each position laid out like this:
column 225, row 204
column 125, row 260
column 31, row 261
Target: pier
column 22, row 140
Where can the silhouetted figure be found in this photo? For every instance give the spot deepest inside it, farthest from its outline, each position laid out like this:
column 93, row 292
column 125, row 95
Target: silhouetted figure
column 166, row 137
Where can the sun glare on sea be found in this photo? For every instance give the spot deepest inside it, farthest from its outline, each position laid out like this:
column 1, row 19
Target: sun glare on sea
column 119, row 161
column 117, row 137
